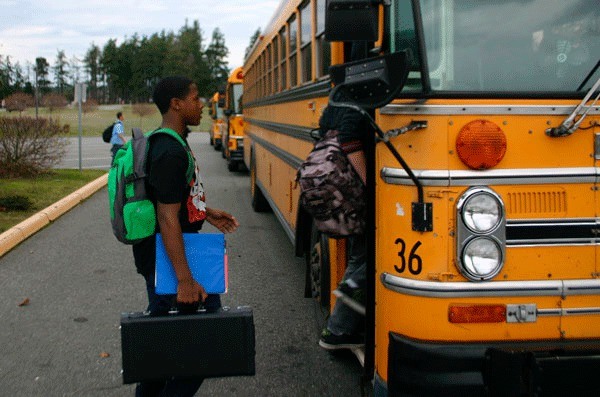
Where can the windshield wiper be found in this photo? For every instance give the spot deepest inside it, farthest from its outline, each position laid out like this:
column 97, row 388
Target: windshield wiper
column 589, row 76
column 569, row 126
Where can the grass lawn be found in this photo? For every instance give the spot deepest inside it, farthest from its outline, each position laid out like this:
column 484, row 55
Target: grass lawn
column 95, row 122
column 43, row 191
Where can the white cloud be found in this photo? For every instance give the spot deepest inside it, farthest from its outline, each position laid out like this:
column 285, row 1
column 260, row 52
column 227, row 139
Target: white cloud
column 29, row 29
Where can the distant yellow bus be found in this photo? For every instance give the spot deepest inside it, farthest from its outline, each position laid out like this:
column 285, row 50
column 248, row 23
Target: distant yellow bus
column 215, row 110
column 233, row 135
column 483, row 179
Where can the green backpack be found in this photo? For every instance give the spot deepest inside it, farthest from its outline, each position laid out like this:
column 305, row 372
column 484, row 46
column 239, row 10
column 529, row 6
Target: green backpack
column 132, row 214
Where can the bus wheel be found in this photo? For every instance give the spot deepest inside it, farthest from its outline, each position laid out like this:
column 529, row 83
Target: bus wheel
column 232, row 166
column 217, row 146
column 212, row 142
column 318, row 268
column 259, row 202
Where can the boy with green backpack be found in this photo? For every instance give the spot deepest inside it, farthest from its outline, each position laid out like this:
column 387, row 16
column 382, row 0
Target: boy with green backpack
column 164, row 192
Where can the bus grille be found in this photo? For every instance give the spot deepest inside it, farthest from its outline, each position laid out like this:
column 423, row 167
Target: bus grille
column 519, row 204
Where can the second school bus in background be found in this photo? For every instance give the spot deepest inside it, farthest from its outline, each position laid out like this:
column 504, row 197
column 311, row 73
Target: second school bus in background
column 485, row 242
column 233, row 133
column 215, row 110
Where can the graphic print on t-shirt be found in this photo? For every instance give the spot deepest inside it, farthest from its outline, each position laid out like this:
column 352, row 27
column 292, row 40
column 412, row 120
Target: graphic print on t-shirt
column 196, row 202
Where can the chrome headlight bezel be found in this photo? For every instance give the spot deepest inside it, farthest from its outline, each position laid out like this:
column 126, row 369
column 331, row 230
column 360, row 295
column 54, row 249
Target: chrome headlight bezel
column 491, row 225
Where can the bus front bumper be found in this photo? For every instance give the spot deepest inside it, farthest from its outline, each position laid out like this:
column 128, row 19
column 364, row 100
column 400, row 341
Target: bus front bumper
column 545, row 368
column 236, row 155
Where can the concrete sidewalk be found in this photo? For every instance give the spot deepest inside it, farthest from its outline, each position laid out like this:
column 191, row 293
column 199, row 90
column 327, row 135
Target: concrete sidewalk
column 15, row 235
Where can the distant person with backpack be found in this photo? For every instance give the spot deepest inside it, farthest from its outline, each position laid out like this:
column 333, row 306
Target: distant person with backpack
column 180, row 208
column 117, row 139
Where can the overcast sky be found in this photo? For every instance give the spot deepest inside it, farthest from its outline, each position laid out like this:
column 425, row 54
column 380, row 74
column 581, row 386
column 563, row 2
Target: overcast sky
column 33, row 28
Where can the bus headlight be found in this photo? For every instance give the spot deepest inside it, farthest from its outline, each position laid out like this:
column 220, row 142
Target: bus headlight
column 481, row 258
column 480, row 234
column 481, row 212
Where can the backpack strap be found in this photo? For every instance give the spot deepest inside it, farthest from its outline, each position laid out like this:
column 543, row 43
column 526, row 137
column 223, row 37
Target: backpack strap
column 189, row 174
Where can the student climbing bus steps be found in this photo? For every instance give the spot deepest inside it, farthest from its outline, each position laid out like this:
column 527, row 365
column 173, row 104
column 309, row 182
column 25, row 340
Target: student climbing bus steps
column 483, row 271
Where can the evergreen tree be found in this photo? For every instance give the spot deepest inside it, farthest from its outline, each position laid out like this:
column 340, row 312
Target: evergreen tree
column 216, row 53
column 91, row 63
column 253, row 39
column 60, row 70
column 41, row 69
column 5, row 80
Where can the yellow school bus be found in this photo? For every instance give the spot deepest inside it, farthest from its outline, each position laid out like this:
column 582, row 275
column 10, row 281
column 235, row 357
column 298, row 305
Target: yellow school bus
column 483, row 182
column 215, row 110
column 233, row 136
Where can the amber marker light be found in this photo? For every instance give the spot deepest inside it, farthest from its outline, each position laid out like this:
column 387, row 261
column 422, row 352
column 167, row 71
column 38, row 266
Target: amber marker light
column 481, row 144
column 460, row 314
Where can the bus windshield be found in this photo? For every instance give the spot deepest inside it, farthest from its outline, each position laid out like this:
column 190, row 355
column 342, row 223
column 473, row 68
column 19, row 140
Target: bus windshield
column 503, row 46
column 237, row 91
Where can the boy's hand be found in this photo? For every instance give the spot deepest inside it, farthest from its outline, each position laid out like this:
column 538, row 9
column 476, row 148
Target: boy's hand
column 222, row 220
column 190, row 292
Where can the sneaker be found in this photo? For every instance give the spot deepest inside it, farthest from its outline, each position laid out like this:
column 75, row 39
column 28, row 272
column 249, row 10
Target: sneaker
column 351, row 297
column 330, row 341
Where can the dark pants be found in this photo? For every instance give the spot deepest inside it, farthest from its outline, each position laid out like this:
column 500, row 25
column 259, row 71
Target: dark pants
column 160, row 305
column 113, row 150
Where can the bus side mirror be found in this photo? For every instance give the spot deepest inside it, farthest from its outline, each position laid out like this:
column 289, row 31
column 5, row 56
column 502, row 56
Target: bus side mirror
column 221, row 103
column 372, row 82
column 352, row 20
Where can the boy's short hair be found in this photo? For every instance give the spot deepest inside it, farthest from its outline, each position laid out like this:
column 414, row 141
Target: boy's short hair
column 119, row 114
column 169, row 88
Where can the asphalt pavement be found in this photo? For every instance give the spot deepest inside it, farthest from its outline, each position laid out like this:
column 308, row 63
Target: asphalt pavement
column 62, row 291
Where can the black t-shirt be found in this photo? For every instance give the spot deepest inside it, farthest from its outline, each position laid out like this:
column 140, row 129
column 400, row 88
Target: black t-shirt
column 166, row 166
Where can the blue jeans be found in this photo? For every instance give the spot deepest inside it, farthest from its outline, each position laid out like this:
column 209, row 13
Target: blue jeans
column 160, row 305
column 344, row 320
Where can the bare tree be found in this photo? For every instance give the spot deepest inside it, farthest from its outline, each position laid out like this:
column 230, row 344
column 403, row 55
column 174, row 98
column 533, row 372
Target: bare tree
column 29, row 146
column 54, row 101
column 89, row 106
column 18, row 102
column 143, row 109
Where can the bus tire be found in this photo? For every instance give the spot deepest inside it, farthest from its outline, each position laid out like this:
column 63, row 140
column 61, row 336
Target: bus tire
column 317, row 268
column 217, row 146
column 259, row 202
column 232, row 166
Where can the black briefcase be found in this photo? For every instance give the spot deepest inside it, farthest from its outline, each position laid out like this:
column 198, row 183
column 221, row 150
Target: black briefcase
column 198, row 345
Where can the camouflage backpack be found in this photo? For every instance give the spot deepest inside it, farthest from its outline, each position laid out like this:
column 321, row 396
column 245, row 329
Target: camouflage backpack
column 331, row 190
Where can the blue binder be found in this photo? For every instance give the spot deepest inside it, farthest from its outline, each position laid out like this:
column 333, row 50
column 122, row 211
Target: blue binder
column 207, row 259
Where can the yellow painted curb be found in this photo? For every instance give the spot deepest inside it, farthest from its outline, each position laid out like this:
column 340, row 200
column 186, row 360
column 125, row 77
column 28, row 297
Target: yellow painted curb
column 15, row 235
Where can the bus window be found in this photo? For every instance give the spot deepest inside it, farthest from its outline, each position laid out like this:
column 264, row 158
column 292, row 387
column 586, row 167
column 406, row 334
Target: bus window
column 293, row 24
column 282, row 65
column 402, row 36
column 305, row 42
column 323, row 47
column 487, row 46
column 276, row 86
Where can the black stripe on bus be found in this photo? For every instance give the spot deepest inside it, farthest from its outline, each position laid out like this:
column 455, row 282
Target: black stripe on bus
column 294, row 131
column 569, row 231
column 309, row 91
column 288, row 158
